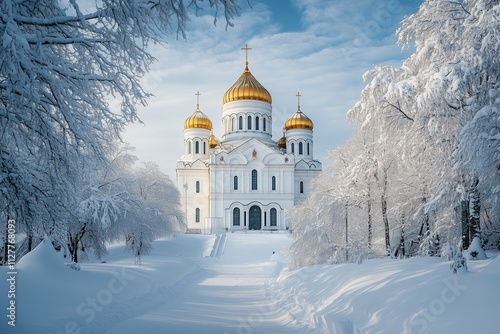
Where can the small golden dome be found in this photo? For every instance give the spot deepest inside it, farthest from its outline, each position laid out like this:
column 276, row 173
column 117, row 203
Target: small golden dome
column 247, row 88
column 282, row 142
column 213, row 141
column 198, row 120
column 299, row 121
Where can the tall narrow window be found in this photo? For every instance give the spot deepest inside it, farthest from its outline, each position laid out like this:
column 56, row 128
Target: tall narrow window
column 301, row 187
column 273, row 183
column 274, row 217
column 235, row 183
column 249, row 122
column 197, row 187
column 197, row 147
column 308, row 153
column 197, row 215
column 293, row 147
column 236, row 217
column 204, row 147
column 232, row 124
column 240, row 123
column 254, row 179
column 189, row 147
column 257, row 123
column 301, row 149
column 264, row 124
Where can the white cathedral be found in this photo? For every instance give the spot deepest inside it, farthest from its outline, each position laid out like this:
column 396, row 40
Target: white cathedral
column 246, row 180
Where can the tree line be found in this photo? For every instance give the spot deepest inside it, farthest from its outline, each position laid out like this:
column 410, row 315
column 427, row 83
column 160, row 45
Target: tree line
column 423, row 164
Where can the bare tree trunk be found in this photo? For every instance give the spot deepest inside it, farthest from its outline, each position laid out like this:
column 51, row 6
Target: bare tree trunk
column 401, row 246
column 475, row 207
column 73, row 241
column 385, row 218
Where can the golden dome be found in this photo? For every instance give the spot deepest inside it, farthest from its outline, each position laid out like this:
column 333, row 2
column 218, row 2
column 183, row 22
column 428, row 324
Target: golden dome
column 282, row 142
column 213, row 141
column 299, row 121
column 247, row 88
column 198, row 120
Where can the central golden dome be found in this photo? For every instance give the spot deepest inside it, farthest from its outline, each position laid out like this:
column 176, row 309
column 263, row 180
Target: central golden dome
column 247, row 88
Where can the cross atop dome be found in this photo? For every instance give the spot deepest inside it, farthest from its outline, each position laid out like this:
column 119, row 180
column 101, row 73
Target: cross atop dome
column 198, row 100
column 246, row 48
column 298, row 100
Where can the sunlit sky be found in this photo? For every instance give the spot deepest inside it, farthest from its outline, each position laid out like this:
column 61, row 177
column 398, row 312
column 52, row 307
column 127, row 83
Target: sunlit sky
column 318, row 47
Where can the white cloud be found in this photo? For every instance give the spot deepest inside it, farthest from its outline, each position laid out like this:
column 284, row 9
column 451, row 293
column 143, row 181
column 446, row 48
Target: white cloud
column 338, row 42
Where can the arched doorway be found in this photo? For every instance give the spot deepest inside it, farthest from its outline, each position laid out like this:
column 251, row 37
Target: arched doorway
column 255, row 217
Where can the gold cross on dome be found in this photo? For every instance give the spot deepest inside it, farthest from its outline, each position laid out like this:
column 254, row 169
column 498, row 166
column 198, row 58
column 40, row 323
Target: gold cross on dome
column 197, row 99
column 298, row 99
column 246, row 48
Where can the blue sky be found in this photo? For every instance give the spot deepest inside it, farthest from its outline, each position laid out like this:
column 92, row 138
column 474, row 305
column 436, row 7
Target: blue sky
column 318, row 47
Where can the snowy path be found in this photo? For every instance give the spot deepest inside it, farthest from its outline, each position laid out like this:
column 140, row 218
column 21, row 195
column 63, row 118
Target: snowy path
column 229, row 295
column 179, row 288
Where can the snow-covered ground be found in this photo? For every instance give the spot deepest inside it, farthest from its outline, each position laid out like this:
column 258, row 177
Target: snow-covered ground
column 189, row 286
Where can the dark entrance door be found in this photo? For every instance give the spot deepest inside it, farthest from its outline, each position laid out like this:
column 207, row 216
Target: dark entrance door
column 255, row 217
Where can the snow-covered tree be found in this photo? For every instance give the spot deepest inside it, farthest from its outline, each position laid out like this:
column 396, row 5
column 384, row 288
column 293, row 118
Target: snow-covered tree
column 114, row 200
column 60, row 64
column 430, row 135
column 160, row 214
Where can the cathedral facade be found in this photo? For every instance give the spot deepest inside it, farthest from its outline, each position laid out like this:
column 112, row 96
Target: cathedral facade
column 246, row 179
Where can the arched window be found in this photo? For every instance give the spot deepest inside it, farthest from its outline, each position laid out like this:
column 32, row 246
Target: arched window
column 308, row 153
column 264, row 124
column 204, row 147
column 273, row 183
column 189, row 147
column 235, row 183
column 197, row 187
column 301, row 187
column 249, row 122
column 236, row 217
column 257, row 123
column 240, row 123
column 197, row 215
column 197, row 147
column 274, row 217
column 254, row 179
column 300, row 148
column 232, row 124
column 293, row 147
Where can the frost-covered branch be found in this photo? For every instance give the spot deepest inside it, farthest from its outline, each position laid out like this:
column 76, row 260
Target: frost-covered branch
column 398, row 108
